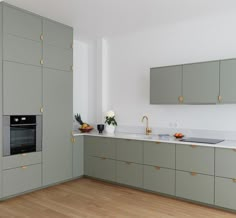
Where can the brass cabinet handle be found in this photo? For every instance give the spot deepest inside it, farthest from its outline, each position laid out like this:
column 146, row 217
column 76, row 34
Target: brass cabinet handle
column 41, row 37
column 128, row 163
column 193, row 174
column 219, row 98
column 157, row 168
column 73, row 139
column 234, row 180
column 41, row 61
column 24, row 154
column 103, row 158
column 157, row 142
column 234, row 149
column 41, row 109
column 181, row 99
column 193, row 146
column 23, row 167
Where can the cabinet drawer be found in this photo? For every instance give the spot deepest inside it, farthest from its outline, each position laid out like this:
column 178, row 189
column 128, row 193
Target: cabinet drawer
column 130, row 174
column 224, row 160
column 21, row 179
column 22, row 50
column 195, row 159
column 19, row 160
column 100, row 147
column 225, row 193
column 195, row 187
column 130, row 150
column 159, row 179
column 101, row 168
column 21, row 23
column 57, row 58
column 159, row 154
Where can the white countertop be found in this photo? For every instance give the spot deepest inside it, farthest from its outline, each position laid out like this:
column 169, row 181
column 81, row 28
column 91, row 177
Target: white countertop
column 155, row 138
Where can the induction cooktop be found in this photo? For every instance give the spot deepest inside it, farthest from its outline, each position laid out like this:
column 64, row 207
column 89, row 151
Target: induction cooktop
column 202, row 140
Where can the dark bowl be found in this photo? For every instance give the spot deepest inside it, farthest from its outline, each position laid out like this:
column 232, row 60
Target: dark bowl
column 100, row 128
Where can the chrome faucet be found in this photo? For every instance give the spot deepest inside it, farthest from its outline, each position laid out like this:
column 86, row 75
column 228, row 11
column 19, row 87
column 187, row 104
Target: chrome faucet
column 148, row 130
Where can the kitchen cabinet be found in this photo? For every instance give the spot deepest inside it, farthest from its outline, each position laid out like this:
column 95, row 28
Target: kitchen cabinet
column 159, row 154
column 57, row 125
column 196, row 187
column 227, row 81
column 78, row 156
column 165, row 85
column 193, row 158
column 201, row 83
column 224, row 160
column 129, row 174
column 22, row 89
column 225, row 193
column 129, row 150
column 21, row 23
column 57, row 46
column 159, row 179
column 21, row 179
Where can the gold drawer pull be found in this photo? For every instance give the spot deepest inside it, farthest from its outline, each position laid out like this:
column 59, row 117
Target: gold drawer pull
column 23, row 167
column 193, row 174
column 103, row 158
column 193, row 146
column 157, row 142
column 234, row 180
column 24, row 154
column 128, row 163
column 234, row 149
column 157, row 168
column 181, row 99
column 219, row 98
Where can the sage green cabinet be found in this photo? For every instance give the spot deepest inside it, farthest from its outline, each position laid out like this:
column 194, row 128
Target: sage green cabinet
column 201, row 83
column 225, row 193
column 22, row 50
column 100, row 147
column 129, row 174
column 159, row 154
column 102, row 168
column 165, row 85
column 21, row 23
column 227, row 81
column 57, row 126
column 159, row 179
column 225, row 160
column 21, row 179
column 78, row 156
column 196, row 187
column 195, row 159
column 130, row 150
column 18, row 95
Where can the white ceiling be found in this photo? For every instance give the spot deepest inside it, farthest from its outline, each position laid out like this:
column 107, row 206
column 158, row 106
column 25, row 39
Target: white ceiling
column 102, row 18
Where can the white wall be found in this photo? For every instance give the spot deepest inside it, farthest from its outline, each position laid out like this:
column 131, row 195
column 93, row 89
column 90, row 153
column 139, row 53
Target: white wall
column 131, row 56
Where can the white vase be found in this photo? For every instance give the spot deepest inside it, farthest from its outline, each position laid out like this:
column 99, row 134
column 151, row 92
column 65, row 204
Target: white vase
column 110, row 129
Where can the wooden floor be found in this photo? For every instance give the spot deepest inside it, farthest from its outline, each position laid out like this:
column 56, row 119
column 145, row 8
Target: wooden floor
column 90, row 198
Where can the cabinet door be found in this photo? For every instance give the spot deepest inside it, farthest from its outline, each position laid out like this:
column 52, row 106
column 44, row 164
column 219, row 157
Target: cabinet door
column 225, row 193
column 129, row 174
column 195, row 187
column 22, row 50
column 129, row 150
column 195, row 159
column 201, row 83
column 100, row 147
column 225, row 159
column 227, row 81
column 159, row 154
column 165, row 85
column 57, row 34
column 21, row 179
column 21, row 23
column 22, row 89
column 159, row 180
column 57, row 126
column 78, row 156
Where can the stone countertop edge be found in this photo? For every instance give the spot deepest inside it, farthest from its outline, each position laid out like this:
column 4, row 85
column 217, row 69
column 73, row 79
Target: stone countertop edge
column 230, row 144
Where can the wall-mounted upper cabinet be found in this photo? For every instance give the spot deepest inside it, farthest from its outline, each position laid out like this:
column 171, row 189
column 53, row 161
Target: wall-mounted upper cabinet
column 228, row 81
column 201, row 83
column 21, row 23
column 166, row 85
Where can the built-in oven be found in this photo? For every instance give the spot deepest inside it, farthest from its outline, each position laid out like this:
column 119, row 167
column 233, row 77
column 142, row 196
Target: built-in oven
column 22, row 134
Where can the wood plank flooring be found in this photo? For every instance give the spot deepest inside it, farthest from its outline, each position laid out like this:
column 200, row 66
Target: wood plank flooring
column 90, row 198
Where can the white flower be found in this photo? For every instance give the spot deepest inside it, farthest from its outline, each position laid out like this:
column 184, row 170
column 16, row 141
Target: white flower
column 110, row 114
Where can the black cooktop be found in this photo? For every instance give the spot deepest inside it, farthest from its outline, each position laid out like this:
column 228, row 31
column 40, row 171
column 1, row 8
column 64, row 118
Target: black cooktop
column 202, row 140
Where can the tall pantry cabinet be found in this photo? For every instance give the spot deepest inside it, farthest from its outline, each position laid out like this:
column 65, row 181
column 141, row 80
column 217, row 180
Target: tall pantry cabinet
column 36, row 75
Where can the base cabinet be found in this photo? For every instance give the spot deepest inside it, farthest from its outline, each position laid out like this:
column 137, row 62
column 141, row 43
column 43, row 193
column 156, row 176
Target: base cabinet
column 159, row 179
column 129, row 174
column 78, row 157
column 196, row 187
column 21, row 179
column 225, row 193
